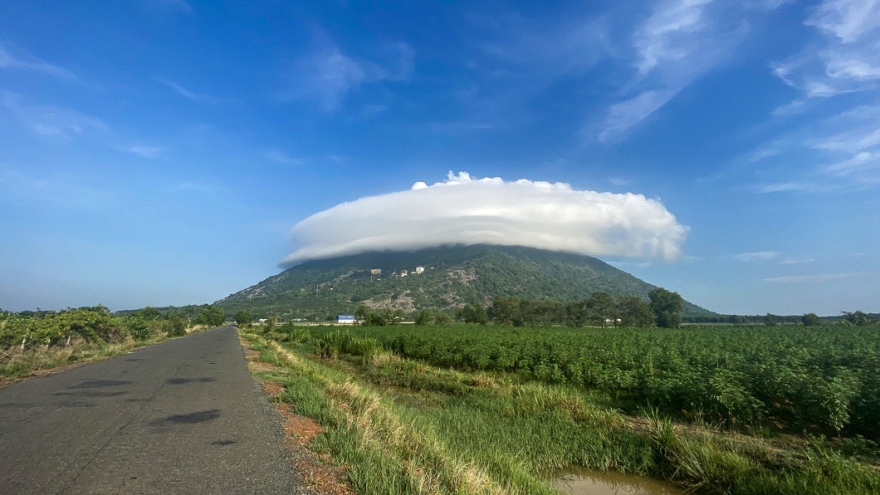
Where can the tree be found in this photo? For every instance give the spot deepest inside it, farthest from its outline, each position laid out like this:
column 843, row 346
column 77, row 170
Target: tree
column 478, row 314
column 505, row 310
column 425, row 317
column 667, row 307
column 361, row 313
column 86, row 323
column 529, row 311
column 576, row 313
column 149, row 313
column 373, row 318
column 811, row 320
column 770, row 320
column 138, row 328
column 634, row 312
column 175, row 326
column 601, row 308
column 269, row 324
column 393, row 316
column 857, row 318
column 473, row 314
column 243, row 317
column 211, row 316
column 552, row 313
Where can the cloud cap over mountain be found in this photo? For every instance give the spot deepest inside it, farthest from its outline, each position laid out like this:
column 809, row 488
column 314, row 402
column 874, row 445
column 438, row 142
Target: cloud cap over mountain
column 466, row 210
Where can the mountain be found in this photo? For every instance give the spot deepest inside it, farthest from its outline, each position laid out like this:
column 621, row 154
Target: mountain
column 452, row 276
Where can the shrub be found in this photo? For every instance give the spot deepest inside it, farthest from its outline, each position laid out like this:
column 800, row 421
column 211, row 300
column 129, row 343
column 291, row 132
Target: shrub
column 138, row 328
column 175, row 326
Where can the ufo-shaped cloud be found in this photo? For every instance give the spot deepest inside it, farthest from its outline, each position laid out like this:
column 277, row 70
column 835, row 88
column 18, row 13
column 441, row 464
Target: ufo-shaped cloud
column 465, row 210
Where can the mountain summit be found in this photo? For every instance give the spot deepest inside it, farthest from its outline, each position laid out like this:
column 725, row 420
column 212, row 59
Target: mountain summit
column 441, row 278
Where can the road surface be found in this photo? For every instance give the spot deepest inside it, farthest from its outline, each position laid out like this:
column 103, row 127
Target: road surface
column 184, row 416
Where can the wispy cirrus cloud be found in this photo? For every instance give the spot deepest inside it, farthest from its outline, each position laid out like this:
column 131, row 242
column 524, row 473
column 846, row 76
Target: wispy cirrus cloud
column 63, row 124
column 542, row 48
column 625, row 115
column 805, row 279
column 511, row 58
column 845, row 60
column 142, row 150
column 796, row 261
column 192, row 95
column 848, row 58
column 49, row 120
column 756, row 256
column 327, row 74
column 24, row 61
column 283, row 158
column 680, row 42
column 668, row 35
column 461, row 126
column 851, row 143
column 763, row 153
column 790, row 186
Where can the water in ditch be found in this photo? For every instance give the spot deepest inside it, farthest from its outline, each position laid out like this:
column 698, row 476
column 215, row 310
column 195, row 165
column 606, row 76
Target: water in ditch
column 612, row 483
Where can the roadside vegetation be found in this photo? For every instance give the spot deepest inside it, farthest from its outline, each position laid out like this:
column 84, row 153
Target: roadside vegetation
column 489, row 409
column 32, row 342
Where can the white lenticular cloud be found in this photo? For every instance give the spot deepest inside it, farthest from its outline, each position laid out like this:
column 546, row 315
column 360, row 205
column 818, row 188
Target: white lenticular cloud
column 465, row 210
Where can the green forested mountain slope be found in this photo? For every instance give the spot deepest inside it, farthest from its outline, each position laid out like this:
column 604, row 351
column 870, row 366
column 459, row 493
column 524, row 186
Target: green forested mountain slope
column 452, row 276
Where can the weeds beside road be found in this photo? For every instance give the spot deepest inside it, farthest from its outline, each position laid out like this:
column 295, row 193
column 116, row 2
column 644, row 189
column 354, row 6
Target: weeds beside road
column 17, row 363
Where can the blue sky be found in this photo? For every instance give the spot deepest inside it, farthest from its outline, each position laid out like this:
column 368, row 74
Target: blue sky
column 159, row 152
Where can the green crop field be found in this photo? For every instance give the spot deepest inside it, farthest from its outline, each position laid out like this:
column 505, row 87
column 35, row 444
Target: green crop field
column 820, row 379
column 492, row 409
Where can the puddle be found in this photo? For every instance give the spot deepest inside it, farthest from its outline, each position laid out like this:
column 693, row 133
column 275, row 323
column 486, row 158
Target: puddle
column 612, row 483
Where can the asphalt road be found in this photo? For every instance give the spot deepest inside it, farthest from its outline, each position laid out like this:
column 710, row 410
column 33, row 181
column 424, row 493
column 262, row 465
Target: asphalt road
column 184, row 416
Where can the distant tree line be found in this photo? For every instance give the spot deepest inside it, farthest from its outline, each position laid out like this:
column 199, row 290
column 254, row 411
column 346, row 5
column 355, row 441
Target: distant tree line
column 432, row 316
column 663, row 309
column 600, row 309
column 380, row 318
column 858, row 318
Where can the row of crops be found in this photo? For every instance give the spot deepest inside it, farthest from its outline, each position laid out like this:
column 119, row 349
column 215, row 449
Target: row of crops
column 822, row 378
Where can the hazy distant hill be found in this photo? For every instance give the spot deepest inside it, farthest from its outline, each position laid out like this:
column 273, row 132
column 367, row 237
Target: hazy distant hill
column 452, row 276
